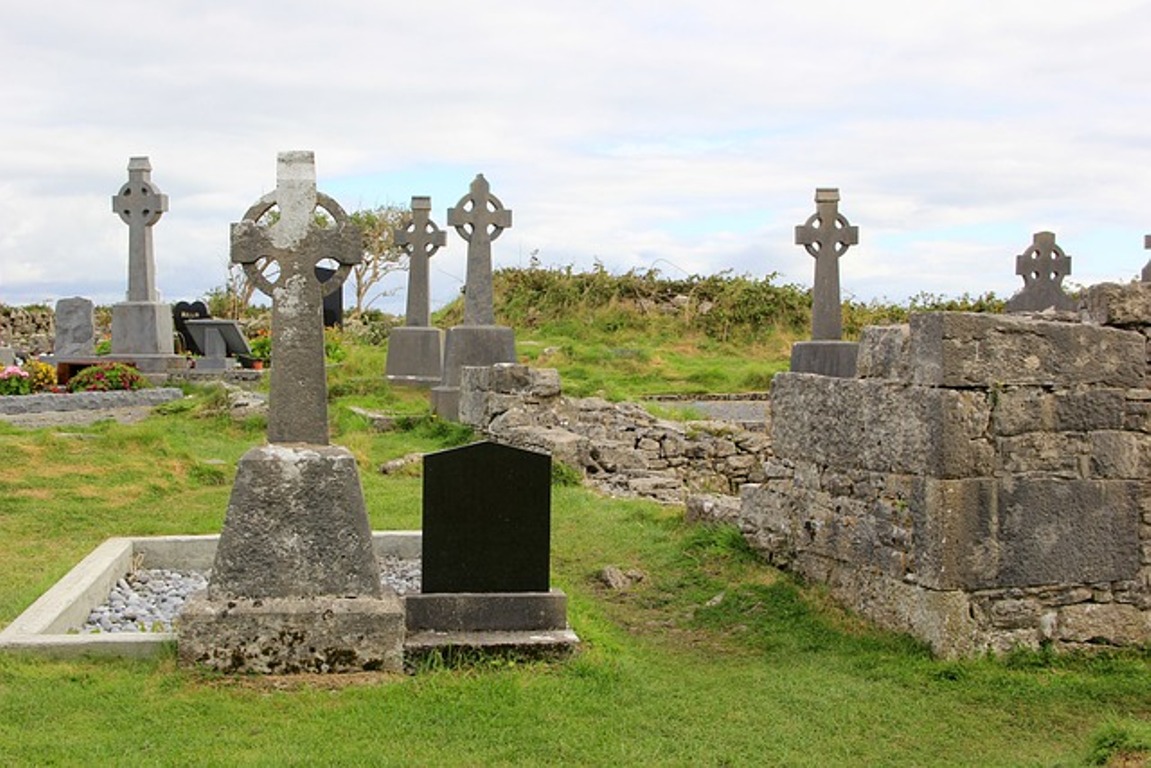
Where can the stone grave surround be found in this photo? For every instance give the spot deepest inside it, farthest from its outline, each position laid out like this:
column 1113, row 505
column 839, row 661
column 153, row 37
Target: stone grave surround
column 415, row 351
column 295, row 586
column 479, row 218
column 826, row 235
column 981, row 484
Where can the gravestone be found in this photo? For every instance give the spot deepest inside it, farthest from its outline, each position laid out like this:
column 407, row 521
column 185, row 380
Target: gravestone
column 7, row 356
column 75, row 328
column 479, row 218
column 182, row 312
column 1042, row 267
column 415, row 351
column 486, row 544
column 295, row 586
column 221, row 340
column 142, row 325
column 826, row 235
column 333, row 301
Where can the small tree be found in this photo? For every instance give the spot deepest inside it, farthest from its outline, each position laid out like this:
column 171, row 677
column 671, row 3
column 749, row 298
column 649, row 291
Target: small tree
column 381, row 254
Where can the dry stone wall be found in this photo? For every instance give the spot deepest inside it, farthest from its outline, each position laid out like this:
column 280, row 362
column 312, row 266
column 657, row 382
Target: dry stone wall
column 982, row 483
column 619, row 447
column 28, row 330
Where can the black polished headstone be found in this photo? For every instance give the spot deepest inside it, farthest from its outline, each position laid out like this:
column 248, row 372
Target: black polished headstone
column 182, row 312
column 333, row 302
column 487, row 520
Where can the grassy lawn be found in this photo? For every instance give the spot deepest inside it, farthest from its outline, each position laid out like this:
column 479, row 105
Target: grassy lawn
column 711, row 659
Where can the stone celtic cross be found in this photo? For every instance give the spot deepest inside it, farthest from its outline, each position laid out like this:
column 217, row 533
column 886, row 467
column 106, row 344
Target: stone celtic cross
column 140, row 205
column 1147, row 267
column 421, row 238
column 1042, row 267
column 295, row 243
column 826, row 235
column 479, row 218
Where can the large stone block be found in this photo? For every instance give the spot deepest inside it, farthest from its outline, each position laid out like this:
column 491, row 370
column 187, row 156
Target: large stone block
column 883, row 353
column 1018, row 410
column 1124, row 305
column 1024, row 532
column 415, row 356
column 961, row 349
column 881, row 427
column 142, row 328
column 296, row 526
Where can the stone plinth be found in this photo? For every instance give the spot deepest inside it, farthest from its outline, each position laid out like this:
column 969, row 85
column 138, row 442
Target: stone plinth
column 415, row 356
column 296, row 527
column 469, row 345
column 486, row 611
column 827, row 358
column 142, row 328
column 293, row 635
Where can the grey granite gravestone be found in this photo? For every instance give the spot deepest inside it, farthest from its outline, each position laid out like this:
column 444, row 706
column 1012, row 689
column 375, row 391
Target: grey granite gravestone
column 75, row 328
column 486, row 545
column 826, row 235
column 142, row 326
column 295, row 585
column 1042, row 267
column 221, row 340
column 479, row 218
column 416, row 350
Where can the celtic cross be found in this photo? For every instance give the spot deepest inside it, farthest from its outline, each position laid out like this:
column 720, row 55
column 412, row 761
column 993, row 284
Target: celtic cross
column 421, row 238
column 140, row 205
column 826, row 235
column 1042, row 267
column 479, row 218
column 294, row 244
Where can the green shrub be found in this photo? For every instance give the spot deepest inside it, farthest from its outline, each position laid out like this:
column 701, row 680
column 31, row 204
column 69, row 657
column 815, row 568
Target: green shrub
column 15, row 381
column 107, row 377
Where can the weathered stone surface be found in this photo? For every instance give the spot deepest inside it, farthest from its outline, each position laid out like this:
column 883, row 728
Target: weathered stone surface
column 870, row 424
column 75, row 328
column 1110, row 624
column 961, row 349
column 826, row 235
column 415, row 352
column 293, row 635
column 298, row 399
column 1042, row 267
column 883, row 353
column 826, row 358
column 296, row 527
column 1121, row 305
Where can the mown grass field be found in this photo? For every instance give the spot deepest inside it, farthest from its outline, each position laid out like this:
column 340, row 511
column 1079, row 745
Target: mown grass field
column 712, row 659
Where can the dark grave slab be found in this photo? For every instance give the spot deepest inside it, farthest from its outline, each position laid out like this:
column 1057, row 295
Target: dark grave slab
column 486, row 520
column 333, row 302
column 219, row 339
column 182, row 312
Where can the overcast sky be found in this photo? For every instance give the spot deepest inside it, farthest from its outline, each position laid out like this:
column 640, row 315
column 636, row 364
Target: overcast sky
column 685, row 135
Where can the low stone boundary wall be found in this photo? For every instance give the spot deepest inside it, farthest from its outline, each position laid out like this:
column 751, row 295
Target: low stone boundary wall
column 619, row 447
column 11, row 405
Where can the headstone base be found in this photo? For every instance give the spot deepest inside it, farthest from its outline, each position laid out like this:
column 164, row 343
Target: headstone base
column 296, row 526
column 469, row 345
column 415, row 356
column 293, row 635
column 827, row 358
column 142, row 328
column 486, row 611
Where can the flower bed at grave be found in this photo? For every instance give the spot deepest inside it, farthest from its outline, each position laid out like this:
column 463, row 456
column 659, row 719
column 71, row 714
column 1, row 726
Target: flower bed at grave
column 15, row 381
column 107, row 377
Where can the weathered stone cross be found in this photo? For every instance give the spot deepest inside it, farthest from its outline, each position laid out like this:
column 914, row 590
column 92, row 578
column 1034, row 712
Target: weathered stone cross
column 826, row 235
column 479, row 218
column 1042, row 267
column 1147, row 267
column 296, row 242
column 140, row 205
column 422, row 238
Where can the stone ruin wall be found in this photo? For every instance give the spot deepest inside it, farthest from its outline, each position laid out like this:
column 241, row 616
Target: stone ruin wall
column 983, row 482
column 618, row 447
column 28, row 330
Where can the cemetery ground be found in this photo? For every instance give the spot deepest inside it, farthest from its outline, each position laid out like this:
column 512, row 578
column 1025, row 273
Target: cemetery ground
column 711, row 658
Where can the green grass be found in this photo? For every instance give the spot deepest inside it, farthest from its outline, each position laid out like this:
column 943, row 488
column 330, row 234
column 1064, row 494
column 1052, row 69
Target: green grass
column 713, row 658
